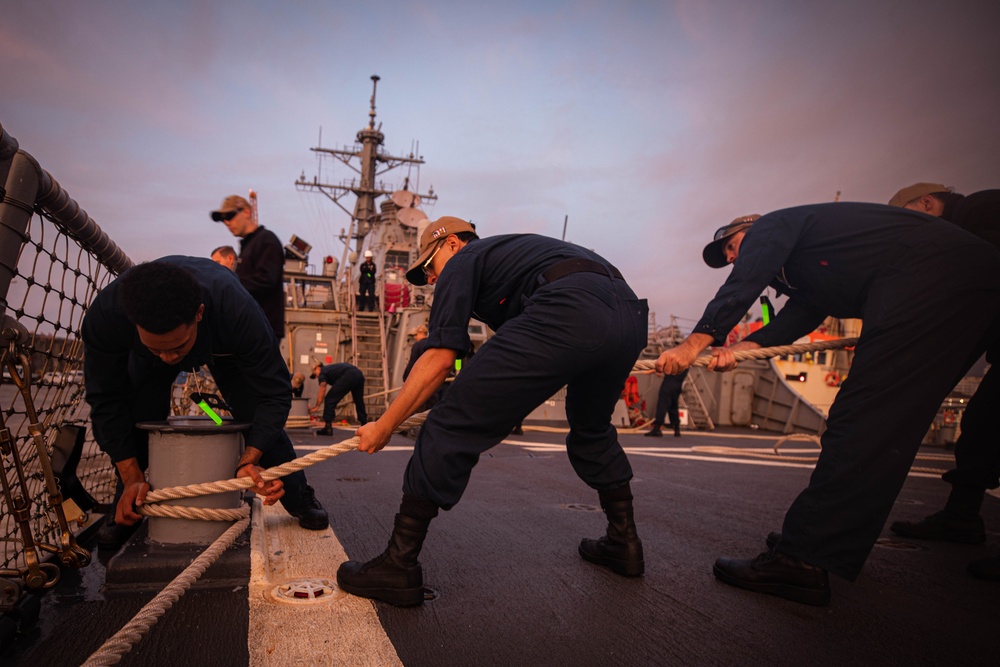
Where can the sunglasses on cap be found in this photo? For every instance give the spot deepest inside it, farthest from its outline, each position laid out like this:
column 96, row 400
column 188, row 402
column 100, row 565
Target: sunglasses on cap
column 427, row 265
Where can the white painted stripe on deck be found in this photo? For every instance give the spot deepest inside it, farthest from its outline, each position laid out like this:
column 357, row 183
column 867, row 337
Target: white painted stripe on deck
column 343, row 630
column 679, row 453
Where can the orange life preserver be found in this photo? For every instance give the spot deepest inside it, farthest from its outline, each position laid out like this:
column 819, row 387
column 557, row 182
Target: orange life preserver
column 948, row 418
column 631, row 391
column 832, row 379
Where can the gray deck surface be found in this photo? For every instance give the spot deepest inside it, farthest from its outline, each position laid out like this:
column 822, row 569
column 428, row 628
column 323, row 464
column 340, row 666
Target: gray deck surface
column 513, row 591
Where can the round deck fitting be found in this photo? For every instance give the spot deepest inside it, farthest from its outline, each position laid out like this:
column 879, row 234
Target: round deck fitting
column 307, row 591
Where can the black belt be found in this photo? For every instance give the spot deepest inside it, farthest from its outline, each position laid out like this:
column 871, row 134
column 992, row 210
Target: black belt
column 576, row 265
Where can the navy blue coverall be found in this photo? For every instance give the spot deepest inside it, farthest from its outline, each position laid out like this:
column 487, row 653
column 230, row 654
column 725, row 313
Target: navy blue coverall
column 340, row 379
column 127, row 384
column 366, row 286
column 927, row 292
column 668, row 400
column 977, row 451
column 261, row 269
column 582, row 330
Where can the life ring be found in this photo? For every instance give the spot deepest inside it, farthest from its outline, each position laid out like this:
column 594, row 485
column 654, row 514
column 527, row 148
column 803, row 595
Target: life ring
column 948, row 418
column 832, row 379
column 631, row 391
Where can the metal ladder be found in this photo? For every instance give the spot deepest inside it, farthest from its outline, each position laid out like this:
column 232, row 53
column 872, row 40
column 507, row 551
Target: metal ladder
column 368, row 354
column 696, row 407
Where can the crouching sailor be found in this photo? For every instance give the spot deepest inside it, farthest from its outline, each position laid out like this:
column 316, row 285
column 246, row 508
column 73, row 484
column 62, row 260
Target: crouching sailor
column 176, row 314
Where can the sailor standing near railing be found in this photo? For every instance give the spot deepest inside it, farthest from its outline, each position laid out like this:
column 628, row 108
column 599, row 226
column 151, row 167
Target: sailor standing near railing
column 261, row 263
column 927, row 292
column 173, row 314
column 366, row 284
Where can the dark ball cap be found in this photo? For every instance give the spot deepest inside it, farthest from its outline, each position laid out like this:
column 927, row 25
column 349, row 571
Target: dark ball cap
column 713, row 253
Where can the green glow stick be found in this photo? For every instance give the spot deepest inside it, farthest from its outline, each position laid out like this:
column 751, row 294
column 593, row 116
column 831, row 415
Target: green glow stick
column 765, row 310
column 458, row 365
column 210, row 412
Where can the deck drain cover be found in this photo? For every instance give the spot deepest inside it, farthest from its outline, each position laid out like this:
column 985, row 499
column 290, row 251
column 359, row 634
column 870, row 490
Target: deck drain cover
column 581, row 507
column 307, row 591
column 889, row 543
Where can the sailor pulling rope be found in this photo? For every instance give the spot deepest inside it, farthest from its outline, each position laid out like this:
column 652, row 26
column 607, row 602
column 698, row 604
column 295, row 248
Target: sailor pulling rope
column 150, row 508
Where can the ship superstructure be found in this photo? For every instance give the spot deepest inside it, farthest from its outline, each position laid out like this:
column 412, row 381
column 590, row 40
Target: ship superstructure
column 323, row 320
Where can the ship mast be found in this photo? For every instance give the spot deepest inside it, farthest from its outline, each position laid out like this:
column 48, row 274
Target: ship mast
column 372, row 164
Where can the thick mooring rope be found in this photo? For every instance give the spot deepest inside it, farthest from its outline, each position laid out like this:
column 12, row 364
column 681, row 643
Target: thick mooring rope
column 336, row 449
column 122, row 641
column 237, row 484
column 763, row 352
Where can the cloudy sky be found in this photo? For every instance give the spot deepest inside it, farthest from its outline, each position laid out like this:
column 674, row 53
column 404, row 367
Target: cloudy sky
column 648, row 123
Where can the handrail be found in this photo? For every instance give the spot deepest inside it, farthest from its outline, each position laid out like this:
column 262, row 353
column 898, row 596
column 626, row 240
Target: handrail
column 66, row 213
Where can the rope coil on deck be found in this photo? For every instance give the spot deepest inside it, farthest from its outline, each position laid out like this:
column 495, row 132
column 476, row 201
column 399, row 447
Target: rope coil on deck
column 298, row 422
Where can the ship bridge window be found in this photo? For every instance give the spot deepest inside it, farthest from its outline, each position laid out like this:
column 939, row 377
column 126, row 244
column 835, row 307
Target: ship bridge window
column 821, row 358
column 309, row 293
column 397, row 260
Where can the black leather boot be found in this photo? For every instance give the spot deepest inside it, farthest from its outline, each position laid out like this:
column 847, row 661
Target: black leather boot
column 309, row 512
column 655, row 432
column 775, row 573
column 959, row 521
column 620, row 549
column 394, row 576
column 111, row 536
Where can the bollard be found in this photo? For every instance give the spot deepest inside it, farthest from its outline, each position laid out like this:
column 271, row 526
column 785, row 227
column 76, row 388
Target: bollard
column 300, row 407
column 192, row 450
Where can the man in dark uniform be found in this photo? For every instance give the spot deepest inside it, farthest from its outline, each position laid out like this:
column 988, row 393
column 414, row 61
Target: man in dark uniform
column 261, row 263
column 225, row 255
column 176, row 314
column 420, row 345
column 366, row 283
column 977, row 451
column 563, row 316
column 927, row 292
column 668, row 405
column 335, row 380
